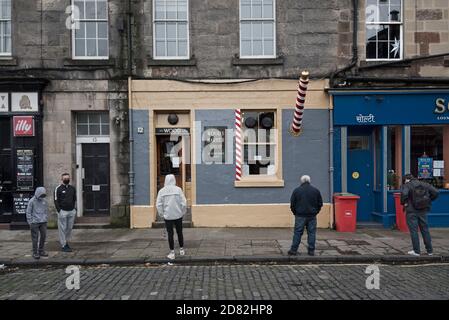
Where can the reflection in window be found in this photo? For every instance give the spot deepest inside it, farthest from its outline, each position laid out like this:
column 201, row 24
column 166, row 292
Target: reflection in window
column 384, row 29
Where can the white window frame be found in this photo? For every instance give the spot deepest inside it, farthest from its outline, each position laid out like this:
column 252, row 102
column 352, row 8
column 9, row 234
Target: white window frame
column 88, row 114
column 6, row 54
column 261, row 20
column 401, row 24
column 155, row 57
column 74, row 56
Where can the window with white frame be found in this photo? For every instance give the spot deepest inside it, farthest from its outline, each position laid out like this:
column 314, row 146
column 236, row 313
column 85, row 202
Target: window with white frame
column 260, row 143
column 171, row 29
column 90, row 32
column 92, row 124
column 5, row 27
column 384, row 23
column 257, row 29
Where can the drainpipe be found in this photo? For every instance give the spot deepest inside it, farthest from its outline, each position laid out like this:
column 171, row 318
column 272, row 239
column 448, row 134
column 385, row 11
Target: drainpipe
column 130, row 111
column 331, row 156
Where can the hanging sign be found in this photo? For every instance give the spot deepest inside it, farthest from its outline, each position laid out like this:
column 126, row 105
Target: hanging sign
column 23, row 126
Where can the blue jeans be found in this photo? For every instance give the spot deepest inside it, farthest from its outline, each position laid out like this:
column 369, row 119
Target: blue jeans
column 300, row 223
column 413, row 221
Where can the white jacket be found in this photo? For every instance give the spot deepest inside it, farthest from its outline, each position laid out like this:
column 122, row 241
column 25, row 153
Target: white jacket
column 171, row 203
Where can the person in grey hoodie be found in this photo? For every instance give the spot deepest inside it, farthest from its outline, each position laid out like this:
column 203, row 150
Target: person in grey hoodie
column 172, row 205
column 37, row 216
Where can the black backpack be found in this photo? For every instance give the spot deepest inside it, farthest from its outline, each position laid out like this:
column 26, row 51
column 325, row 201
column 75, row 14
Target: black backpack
column 420, row 197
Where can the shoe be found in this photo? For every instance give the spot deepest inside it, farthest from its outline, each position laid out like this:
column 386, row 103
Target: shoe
column 36, row 256
column 66, row 248
column 43, row 254
column 171, row 255
column 292, row 253
column 182, row 252
column 311, row 253
column 430, row 254
column 413, row 253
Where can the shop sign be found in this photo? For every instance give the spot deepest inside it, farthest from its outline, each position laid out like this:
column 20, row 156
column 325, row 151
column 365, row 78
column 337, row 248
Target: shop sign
column 214, row 139
column 442, row 109
column 23, row 126
column 24, row 102
column 4, row 102
column 175, row 131
column 366, row 119
column 25, row 169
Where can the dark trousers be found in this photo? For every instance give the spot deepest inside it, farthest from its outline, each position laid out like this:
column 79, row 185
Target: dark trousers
column 169, row 226
column 415, row 220
column 300, row 224
column 38, row 235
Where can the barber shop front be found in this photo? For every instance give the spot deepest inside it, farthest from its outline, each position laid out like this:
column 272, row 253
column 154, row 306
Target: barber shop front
column 174, row 125
column 379, row 136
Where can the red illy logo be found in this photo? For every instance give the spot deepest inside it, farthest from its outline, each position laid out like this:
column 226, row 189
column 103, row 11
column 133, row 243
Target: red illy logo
column 24, row 126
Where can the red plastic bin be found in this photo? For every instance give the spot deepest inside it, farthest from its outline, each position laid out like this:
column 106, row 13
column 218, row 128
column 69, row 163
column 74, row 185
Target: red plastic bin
column 346, row 211
column 401, row 220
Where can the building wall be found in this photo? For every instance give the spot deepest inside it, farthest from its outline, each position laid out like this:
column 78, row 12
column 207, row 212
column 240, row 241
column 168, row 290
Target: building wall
column 306, row 34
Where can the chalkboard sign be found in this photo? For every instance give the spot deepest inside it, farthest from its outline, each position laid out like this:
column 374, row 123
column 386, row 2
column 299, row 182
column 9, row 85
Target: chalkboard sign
column 25, row 169
column 21, row 202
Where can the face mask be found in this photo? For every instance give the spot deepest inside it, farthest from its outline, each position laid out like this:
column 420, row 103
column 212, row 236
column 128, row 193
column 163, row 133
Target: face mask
column 66, row 181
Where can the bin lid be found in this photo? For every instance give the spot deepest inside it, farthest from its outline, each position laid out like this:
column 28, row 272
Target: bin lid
column 346, row 195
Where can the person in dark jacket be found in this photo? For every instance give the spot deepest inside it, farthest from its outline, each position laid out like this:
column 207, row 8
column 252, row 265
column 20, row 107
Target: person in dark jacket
column 305, row 203
column 418, row 216
column 37, row 216
column 65, row 203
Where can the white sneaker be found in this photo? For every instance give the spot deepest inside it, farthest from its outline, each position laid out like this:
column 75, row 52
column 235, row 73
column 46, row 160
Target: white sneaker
column 430, row 254
column 182, row 252
column 413, row 253
column 171, row 255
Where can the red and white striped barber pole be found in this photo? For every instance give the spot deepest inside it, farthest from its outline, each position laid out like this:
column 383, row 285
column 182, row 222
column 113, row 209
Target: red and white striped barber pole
column 238, row 144
column 296, row 127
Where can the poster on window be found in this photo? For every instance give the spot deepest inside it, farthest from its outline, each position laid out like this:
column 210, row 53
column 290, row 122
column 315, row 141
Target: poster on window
column 25, row 169
column 20, row 201
column 425, row 168
column 214, row 144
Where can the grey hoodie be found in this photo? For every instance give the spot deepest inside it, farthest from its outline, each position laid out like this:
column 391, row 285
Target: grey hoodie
column 37, row 210
column 171, row 203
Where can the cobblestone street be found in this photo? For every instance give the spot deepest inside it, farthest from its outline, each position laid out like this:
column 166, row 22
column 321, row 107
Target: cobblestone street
column 229, row 282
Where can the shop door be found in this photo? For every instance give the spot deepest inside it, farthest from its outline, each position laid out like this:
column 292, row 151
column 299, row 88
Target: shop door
column 169, row 154
column 360, row 174
column 6, row 171
column 96, row 183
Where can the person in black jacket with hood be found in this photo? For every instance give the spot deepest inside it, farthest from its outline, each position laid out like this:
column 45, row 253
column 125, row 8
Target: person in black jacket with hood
column 305, row 203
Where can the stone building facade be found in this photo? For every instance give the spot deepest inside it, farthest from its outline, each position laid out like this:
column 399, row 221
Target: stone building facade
column 76, row 86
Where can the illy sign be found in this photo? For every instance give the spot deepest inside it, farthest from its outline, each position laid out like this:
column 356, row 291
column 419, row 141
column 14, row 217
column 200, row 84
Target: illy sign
column 23, row 126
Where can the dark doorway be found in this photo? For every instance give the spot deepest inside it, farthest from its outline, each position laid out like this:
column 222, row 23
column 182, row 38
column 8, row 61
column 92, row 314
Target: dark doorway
column 96, row 182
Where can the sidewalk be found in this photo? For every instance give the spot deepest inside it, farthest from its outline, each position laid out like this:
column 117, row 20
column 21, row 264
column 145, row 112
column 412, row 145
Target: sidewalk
column 220, row 245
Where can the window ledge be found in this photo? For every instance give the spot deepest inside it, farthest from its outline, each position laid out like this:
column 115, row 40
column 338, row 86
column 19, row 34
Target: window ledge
column 8, row 61
column 89, row 62
column 390, row 63
column 259, row 183
column 171, row 62
column 257, row 61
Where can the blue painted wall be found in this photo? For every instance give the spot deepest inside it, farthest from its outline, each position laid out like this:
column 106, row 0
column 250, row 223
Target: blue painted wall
column 307, row 154
column 141, row 158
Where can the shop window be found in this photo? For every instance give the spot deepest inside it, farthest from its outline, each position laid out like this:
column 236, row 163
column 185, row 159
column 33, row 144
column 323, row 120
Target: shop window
column 5, row 27
column 260, row 145
column 427, row 160
column 358, row 142
column 393, row 159
column 5, row 154
column 170, row 29
column 384, row 29
column 90, row 32
column 257, row 29
column 92, row 124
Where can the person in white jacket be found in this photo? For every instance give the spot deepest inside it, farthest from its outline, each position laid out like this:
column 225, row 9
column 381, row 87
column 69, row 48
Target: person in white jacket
column 172, row 205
